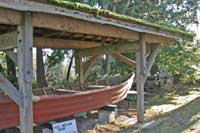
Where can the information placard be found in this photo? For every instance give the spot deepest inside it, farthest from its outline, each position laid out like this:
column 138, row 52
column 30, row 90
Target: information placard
column 65, row 127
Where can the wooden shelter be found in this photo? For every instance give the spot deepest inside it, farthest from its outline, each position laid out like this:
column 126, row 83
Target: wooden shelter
column 25, row 24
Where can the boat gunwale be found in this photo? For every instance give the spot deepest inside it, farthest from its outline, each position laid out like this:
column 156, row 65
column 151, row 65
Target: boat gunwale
column 49, row 97
column 54, row 97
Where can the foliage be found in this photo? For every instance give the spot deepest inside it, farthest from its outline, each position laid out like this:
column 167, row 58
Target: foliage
column 3, row 66
column 179, row 59
column 55, row 71
column 56, row 57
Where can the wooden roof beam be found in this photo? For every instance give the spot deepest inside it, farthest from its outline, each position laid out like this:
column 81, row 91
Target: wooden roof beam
column 9, row 41
column 109, row 49
column 73, row 25
column 61, row 43
column 83, row 16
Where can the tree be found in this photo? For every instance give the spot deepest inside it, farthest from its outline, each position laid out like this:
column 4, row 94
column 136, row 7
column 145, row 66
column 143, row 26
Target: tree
column 170, row 13
column 41, row 81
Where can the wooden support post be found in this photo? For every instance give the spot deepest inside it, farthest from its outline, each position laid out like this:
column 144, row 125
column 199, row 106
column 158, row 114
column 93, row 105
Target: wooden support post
column 88, row 65
column 25, row 44
column 125, row 59
column 140, row 75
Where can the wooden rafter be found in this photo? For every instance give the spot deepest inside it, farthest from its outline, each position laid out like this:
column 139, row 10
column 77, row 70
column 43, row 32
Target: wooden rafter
column 9, row 41
column 61, row 43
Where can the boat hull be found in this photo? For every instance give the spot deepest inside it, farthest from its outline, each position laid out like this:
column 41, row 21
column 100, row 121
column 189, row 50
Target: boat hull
column 49, row 108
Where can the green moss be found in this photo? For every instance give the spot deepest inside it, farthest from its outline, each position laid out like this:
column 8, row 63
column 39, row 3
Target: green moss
column 106, row 13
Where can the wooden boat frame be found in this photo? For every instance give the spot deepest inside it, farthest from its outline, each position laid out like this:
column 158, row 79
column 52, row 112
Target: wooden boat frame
column 51, row 107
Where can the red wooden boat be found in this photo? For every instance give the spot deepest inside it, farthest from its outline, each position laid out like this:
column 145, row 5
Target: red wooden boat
column 51, row 104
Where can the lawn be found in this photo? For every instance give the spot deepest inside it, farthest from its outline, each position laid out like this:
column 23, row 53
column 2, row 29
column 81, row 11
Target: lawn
column 175, row 111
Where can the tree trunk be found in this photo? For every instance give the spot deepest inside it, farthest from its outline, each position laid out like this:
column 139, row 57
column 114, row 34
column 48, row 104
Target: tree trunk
column 2, row 70
column 70, row 66
column 108, row 64
column 41, row 82
column 126, row 5
column 11, row 70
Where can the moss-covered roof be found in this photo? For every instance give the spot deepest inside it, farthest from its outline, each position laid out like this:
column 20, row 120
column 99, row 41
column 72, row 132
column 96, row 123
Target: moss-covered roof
column 106, row 13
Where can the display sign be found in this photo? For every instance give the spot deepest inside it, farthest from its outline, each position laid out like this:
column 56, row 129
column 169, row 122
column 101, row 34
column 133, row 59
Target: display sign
column 65, row 127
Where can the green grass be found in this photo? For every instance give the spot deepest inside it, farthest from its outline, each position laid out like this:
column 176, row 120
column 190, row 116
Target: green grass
column 179, row 120
column 182, row 117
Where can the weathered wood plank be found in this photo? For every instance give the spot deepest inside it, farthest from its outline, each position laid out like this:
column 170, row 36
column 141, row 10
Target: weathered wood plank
column 9, row 41
column 25, row 44
column 85, row 25
column 10, row 90
column 125, row 59
column 109, row 49
column 140, row 74
column 10, row 17
column 150, row 38
column 61, row 43
column 55, row 22
column 134, row 92
column 60, row 11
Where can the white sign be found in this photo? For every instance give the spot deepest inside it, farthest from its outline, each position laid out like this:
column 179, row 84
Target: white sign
column 65, row 127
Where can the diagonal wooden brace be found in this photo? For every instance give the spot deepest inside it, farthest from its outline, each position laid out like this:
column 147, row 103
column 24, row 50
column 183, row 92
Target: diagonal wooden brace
column 10, row 89
column 125, row 59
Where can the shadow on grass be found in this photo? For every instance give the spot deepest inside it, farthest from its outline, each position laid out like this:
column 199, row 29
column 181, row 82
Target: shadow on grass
column 178, row 120
column 182, row 91
column 175, row 121
column 170, row 97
